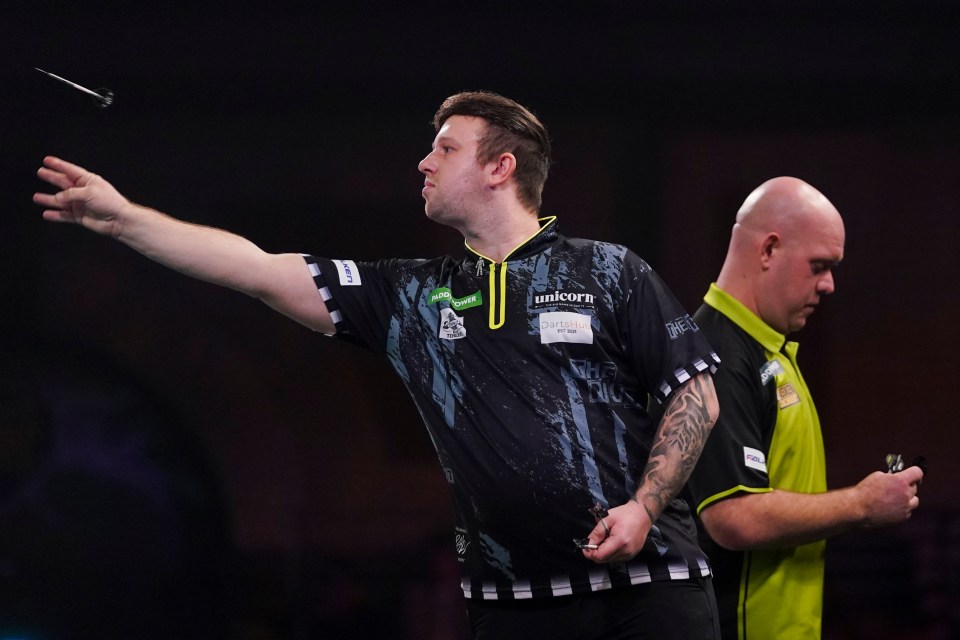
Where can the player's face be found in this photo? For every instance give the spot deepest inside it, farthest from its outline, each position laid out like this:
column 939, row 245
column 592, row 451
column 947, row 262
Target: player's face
column 454, row 181
column 801, row 274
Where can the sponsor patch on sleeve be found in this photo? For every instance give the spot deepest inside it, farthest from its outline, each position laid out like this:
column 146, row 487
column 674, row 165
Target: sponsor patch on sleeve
column 770, row 371
column 755, row 459
column 565, row 326
column 349, row 273
column 681, row 325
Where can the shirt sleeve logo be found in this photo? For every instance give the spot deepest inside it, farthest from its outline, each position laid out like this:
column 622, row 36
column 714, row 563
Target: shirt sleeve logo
column 679, row 326
column 769, row 371
column 755, row 459
column 349, row 273
column 565, row 326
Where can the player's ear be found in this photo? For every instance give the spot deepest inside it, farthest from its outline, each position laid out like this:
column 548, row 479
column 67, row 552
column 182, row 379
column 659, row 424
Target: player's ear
column 768, row 247
column 504, row 166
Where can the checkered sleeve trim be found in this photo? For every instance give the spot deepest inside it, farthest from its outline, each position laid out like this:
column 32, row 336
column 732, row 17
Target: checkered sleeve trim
column 324, row 290
column 680, row 376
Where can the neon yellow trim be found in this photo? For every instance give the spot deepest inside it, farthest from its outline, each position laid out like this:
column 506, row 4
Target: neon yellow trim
column 742, row 598
column 493, row 295
column 747, row 320
column 729, row 492
column 544, row 223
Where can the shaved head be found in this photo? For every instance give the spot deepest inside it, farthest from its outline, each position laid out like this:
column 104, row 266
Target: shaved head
column 784, row 203
column 786, row 239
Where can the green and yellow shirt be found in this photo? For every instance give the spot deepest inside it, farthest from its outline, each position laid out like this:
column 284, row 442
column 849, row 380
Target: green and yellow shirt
column 767, row 437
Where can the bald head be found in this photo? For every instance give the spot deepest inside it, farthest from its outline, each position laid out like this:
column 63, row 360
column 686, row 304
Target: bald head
column 785, row 242
column 783, row 203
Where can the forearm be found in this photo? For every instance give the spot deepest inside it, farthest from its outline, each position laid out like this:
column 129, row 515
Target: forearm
column 205, row 253
column 785, row 519
column 282, row 281
column 780, row 519
column 680, row 437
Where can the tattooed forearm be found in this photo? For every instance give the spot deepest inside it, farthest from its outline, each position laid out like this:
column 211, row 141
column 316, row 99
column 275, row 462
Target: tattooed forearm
column 678, row 443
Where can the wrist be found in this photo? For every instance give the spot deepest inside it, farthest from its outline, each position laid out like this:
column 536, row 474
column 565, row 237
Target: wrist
column 647, row 504
column 856, row 506
column 132, row 222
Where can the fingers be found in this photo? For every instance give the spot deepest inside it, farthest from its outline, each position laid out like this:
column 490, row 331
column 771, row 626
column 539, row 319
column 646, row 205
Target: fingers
column 56, row 204
column 70, row 179
column 54, row 211
column 63, row 174
column 599, row 533
column 56, row 178
column 913, row 475
column 70, row 170
column 48, row 200
column 59, row 216
column 604, row 553
column 889, row 498
column 609, row 550
column 620, row 535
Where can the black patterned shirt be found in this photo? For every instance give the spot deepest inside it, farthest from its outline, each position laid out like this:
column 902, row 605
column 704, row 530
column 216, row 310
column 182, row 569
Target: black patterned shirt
column 532, row 376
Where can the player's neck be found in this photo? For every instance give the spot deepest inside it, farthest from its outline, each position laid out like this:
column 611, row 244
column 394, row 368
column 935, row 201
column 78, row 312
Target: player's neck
column 496, row 236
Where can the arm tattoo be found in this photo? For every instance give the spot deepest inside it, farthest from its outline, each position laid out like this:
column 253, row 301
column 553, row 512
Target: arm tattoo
column 677, row 445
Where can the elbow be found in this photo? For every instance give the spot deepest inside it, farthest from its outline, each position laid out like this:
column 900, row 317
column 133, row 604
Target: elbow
column 711, row 403
column 713, row 412
column 729, row 529
column 729, row 538
column 699, row 392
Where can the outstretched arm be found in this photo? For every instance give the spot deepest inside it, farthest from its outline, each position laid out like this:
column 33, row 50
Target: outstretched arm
column 680, row 436
column 784, row 519
column 213, row 255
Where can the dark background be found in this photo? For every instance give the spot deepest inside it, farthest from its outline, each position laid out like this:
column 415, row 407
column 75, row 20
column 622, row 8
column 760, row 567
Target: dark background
column 179, row 461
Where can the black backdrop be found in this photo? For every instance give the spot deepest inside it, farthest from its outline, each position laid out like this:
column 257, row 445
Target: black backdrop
column 300, row 127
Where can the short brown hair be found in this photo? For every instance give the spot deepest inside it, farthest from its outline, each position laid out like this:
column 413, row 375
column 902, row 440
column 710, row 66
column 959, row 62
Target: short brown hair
column 511, row 128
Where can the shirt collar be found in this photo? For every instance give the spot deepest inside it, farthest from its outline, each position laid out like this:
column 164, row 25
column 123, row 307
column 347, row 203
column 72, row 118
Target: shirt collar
column 767, row 336
column 535, row 243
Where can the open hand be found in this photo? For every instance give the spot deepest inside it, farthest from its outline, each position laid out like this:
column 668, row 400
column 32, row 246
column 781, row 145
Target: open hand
column 84, row 198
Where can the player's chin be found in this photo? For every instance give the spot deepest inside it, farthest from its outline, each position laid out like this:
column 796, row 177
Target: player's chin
column 800, row 321
column 437, row 214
